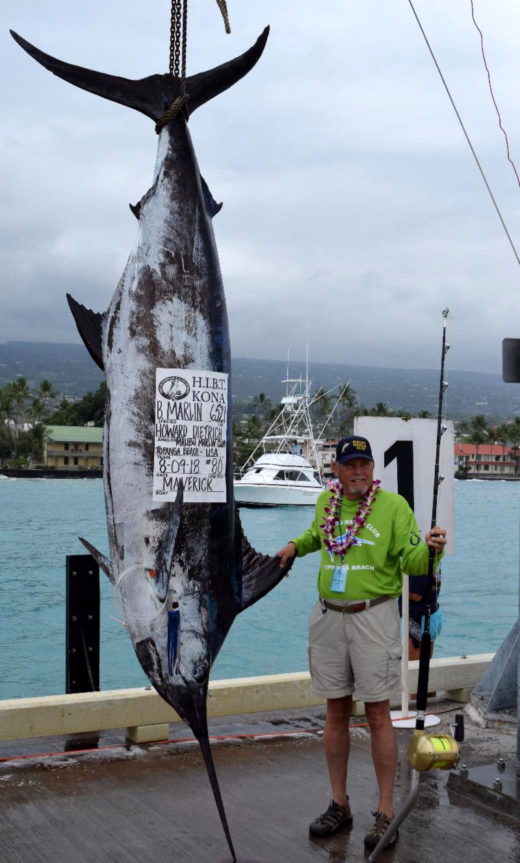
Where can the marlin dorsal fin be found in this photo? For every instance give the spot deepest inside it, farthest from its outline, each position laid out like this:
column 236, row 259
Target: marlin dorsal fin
column 90, row 326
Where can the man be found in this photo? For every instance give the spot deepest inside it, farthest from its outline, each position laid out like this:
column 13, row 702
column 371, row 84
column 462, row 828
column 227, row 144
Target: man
column 368, row 537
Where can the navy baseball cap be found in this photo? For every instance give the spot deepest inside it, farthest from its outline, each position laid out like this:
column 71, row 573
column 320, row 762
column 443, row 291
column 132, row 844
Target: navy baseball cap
column 353, row 447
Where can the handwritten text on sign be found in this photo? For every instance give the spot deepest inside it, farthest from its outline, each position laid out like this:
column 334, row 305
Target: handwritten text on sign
column 191, row 410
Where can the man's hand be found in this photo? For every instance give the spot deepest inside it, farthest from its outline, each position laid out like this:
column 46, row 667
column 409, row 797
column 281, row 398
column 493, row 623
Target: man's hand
column 286, row 554
column 436, row 539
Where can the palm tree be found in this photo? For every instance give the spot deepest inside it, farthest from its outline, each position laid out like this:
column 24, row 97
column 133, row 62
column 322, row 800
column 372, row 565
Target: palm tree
column 36, row 410
column 513, row 436
column 320, row 401
column 479, row 423
column 46, row 391
column 6, row 421
column 348, row 398
column 348, row 409
column 463, row 428
column 261, row 404
column 479, row 434
column 19, row 393
column 501, row 433
column 381, row 409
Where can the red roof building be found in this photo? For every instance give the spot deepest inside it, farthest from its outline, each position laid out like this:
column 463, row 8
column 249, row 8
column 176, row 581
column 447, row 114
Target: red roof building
column 487, row 459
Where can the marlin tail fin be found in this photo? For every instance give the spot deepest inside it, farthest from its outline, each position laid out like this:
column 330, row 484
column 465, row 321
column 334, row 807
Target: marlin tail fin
column 153, row 95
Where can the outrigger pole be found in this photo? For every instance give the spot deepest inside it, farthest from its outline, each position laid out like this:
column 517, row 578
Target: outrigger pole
column 426, row 752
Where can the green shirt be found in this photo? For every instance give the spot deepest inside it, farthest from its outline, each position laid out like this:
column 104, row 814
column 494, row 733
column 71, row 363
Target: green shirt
column 390, row 544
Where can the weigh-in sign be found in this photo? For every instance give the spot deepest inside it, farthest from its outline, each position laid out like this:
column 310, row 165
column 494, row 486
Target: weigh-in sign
column 404, row 456
column 191, row 412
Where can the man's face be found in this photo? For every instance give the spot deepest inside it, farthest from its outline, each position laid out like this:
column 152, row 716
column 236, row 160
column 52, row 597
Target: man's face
column 355, row 476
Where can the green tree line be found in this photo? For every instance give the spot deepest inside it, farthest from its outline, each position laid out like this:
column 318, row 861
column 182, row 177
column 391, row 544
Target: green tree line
column 26, row 410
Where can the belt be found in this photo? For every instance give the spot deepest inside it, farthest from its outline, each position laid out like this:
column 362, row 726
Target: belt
column 353, row 608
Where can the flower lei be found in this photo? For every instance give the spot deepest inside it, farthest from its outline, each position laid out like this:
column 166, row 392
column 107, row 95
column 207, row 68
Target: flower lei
column 341, row 544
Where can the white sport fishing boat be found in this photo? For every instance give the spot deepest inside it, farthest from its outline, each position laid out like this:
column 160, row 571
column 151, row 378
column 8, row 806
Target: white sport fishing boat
column 288, row 470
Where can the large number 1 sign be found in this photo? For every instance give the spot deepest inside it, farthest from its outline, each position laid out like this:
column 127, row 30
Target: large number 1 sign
column 404, row 456
column 402, row 452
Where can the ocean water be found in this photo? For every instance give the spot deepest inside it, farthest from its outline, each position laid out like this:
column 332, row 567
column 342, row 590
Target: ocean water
column 40, row 523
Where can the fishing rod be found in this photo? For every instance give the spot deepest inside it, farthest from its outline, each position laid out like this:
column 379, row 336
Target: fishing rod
column 425, row 644
column 427, row 752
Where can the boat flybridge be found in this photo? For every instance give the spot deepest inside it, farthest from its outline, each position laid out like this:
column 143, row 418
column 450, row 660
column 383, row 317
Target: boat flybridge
column 284, row 469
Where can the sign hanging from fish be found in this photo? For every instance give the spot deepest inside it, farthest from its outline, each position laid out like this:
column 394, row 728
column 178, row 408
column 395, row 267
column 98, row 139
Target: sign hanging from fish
column 178, row 555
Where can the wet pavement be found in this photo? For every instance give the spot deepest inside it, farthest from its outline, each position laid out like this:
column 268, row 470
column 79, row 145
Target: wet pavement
column 119, row 803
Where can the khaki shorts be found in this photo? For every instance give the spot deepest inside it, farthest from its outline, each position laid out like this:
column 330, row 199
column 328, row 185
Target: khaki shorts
column 358, row 652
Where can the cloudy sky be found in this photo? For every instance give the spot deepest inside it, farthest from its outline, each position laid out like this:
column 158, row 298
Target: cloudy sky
column 353, row 209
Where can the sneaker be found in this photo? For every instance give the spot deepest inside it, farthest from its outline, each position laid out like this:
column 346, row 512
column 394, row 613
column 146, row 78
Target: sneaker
column 335, row 817
column 378, row 830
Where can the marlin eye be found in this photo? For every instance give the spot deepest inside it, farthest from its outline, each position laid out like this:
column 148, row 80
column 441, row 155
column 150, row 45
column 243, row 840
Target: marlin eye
column 200, row 671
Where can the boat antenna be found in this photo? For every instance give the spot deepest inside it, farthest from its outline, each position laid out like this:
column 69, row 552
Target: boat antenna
column 423, row 752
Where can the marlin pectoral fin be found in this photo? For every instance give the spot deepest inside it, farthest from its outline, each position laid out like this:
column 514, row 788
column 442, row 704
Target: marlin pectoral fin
column 102, row 561
column 260, row 573
column 212, row 207
column 164, row 559
column 89, row 326
column 148, row 656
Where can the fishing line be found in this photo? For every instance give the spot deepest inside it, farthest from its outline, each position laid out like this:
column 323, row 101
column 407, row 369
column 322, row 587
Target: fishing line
column 116, row 592
column 509, row 159
column 459, row 118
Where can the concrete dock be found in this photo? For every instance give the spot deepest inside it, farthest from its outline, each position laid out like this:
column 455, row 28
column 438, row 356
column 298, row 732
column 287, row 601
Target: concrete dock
column 94, row 797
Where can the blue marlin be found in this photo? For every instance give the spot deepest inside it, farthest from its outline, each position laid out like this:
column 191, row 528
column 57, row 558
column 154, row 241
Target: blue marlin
column 356, row 541
column 183, row 567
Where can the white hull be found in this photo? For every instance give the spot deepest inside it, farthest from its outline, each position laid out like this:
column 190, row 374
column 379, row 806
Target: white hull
column 288, row 472
column 278, row 479
column 249, row 494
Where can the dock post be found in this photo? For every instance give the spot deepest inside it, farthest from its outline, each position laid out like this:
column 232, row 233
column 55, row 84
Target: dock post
column 82, row 624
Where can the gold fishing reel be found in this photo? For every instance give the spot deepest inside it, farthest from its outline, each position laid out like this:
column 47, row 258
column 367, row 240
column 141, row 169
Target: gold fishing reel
column 433, row 751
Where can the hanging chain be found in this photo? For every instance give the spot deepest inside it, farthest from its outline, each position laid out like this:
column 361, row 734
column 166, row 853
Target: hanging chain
column 184, row 44
column 178, row 53
column 175, row 37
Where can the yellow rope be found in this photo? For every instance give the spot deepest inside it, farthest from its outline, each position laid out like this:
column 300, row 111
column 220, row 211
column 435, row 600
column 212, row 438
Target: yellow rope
column 223, row 8
column 179, row 104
